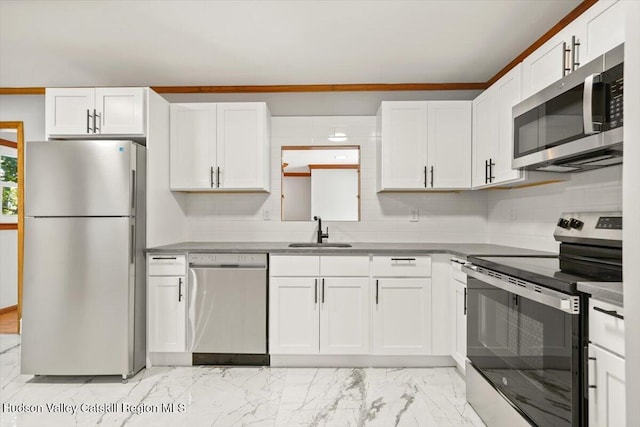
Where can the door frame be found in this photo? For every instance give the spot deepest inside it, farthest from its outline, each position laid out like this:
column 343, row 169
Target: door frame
column 19, row 127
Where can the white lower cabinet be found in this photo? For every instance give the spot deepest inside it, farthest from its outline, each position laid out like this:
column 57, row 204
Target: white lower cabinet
column 344, row 316
column 167, row 304
column 401, row 316
column 606, row 365
column 167, row 314
column 314, row 312
column 606, row 388
column 459, row 353
column 294, row 315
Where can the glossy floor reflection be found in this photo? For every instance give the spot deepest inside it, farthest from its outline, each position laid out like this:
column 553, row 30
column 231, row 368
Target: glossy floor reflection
column 212, row 396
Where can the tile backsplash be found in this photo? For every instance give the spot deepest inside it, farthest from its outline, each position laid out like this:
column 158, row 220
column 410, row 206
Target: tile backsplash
column 518, row 217
column 385, row 217
column 527, row 217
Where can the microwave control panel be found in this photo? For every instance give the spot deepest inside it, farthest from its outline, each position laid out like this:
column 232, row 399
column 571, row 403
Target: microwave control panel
column 615, row 85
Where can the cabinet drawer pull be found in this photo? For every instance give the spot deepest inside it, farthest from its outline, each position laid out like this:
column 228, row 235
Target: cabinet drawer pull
column 609, row 312
column 403, row 259
column 163, row 257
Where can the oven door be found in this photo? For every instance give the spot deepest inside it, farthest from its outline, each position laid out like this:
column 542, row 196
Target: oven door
column 528, row 350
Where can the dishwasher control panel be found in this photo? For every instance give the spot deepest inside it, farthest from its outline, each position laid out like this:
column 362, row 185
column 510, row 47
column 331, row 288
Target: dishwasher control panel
column 228, row 260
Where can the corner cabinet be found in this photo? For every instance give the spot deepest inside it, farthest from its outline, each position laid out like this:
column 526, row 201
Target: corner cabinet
column 95, row 112
column 424, row 145
column 167, row 303
column 493, row 132
column 220, row 147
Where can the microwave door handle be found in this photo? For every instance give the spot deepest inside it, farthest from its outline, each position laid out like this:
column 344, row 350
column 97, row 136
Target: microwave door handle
column 587, row 103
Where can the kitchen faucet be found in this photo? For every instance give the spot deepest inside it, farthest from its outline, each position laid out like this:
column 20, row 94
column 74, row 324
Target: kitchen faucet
column 321, row 235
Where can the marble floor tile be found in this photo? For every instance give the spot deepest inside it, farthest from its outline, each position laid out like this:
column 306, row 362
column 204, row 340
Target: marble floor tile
column 218, row 396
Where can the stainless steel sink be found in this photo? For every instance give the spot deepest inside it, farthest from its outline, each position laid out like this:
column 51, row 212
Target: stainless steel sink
column 319, row 245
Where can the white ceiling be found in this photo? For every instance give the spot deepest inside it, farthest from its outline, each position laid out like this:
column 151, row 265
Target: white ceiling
column 157, row 43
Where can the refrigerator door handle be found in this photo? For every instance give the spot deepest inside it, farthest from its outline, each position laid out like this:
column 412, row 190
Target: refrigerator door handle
column 132, row 248
column 133, row 190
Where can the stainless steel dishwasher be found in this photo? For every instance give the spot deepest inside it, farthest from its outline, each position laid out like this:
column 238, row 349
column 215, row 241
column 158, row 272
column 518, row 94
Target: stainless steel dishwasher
column 228, row 309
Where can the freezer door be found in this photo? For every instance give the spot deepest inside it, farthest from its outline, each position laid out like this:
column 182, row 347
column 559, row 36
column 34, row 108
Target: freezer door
column 77, row 298
column 79, row 178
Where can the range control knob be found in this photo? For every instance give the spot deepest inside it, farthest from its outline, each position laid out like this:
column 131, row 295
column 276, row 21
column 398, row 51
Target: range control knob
column 564, row 223
column 576, row 223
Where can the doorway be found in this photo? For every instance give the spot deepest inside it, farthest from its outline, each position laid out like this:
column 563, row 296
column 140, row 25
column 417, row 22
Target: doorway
column 11, row 225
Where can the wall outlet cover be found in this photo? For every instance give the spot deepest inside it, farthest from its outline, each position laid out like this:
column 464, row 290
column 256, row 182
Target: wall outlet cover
column 415, row 215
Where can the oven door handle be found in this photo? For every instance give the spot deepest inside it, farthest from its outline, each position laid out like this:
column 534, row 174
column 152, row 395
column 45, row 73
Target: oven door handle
column 549, row 297
column 587, row 104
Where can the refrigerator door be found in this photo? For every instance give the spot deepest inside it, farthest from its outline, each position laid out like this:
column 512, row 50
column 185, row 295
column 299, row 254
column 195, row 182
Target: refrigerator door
column 79, row 178
column 78, row 296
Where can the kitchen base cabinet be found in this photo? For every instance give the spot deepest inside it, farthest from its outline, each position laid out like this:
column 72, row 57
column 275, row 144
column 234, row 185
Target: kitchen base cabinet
column 167, row 314
column 401, row 317
column 606, row 388
column 319, row 305
column 294, row 315
column 606, row 365
column 344, row 316
column 166, row 303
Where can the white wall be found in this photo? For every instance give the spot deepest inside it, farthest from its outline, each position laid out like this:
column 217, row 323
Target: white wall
column 527, row 217
column 631, row 198
column 28, row 109
column 8, row 268
column 25, row 108
column 448, row 217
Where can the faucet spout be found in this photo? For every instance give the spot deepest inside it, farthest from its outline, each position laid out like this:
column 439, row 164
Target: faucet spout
column 320, row 234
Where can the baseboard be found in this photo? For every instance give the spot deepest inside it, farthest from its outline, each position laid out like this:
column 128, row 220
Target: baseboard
column 359, row 361
column 8, row 309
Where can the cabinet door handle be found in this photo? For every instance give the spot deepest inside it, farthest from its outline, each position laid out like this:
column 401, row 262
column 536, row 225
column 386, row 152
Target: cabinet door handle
column 575, row 60
column 179, row 289
column 491, row 165
column 211, row 177
column 96, row 117
column 565, row 51
column 425, row 177
column 88, row 121
column 315, row 292
column 403, row 259
column 218, row 177
column 609, row 312
column 323, row 291
column 377, row 289
column 465, row 301
column 432, row 176
column 486, row 168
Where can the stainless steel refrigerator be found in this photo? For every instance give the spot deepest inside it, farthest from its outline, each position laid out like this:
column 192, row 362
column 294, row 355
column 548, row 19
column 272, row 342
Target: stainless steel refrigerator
column 84, row 235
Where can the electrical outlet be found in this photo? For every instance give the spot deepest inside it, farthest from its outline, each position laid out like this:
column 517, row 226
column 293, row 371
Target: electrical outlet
column 415, row 215
column 266, row 214
column 513, row 214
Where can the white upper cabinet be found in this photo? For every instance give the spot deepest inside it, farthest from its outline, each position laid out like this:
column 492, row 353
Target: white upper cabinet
column 493, row 132
column 243, row 145
column 403, row 150
column 593, row 33
column 424, row 145
column 220, row 147
column 602, row 28
column 551, row 61
column 99, row 112
column 193, row 146
column 449, row 144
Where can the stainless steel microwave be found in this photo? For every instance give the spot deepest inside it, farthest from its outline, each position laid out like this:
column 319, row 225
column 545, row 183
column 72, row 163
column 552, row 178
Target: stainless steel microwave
column 575, row 124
